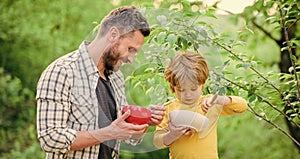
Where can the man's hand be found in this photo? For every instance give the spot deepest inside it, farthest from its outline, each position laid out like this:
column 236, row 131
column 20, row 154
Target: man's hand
column 119, row 129
column 157, row 116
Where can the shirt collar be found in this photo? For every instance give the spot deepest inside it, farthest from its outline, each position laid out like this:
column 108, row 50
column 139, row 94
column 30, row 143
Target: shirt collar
column 90, row 66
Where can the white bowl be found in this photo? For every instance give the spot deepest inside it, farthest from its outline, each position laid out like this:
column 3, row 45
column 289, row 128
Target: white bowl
column 189, row 119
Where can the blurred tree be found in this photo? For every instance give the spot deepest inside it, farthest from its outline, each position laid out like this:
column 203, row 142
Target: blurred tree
column 17, row 110
column 34, row 33
column 279, row 21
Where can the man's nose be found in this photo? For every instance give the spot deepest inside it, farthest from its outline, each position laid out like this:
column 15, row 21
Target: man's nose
column 130, row 59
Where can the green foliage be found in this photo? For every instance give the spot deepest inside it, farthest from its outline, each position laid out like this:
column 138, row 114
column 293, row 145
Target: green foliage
column 146, row 85
column 14, row 97
column 243, row 136
column 17, row 111
column 44, row 32
column 24, row 146
column 277, row 93
column 169, row 34
column 243, row 62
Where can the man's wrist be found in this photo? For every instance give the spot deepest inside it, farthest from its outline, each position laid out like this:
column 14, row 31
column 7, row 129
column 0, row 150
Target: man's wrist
column 100, row 134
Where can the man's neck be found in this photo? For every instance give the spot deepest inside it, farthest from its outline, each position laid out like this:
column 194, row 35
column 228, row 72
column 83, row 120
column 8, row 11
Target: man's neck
column 96, row 49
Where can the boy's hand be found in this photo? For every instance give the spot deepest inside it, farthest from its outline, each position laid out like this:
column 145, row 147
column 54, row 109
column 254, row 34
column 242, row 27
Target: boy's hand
column 207, row 103
column 215, row 99
column 189, row 131
column 175, row 132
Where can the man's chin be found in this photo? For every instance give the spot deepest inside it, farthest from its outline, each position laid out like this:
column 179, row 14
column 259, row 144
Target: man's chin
column 111, row 70
column 116, row 68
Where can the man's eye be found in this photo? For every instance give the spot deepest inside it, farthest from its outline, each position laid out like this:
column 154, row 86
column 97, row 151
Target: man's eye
column 132, row 50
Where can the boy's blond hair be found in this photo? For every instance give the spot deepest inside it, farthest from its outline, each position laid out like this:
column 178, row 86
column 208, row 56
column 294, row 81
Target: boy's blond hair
column 186, row 66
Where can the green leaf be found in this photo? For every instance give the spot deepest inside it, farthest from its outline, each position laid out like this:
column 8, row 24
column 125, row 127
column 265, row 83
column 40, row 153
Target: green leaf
column 161, row 37
column 172, row 39
column 246, row 65
column 201, row 22
column 185, row 3
column 252, row 98
column 294, row 58
column 238, row 65
column 210, row 15
column 162, row 19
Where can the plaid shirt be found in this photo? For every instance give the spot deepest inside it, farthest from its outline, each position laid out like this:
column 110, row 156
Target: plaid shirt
column 67, row 103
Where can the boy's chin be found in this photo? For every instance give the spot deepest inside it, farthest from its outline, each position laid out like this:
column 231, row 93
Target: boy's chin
column 188, row 102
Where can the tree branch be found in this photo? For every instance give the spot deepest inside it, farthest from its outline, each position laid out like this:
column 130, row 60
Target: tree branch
column 275, row 125
column 266, row 32
column 257, row 95
column 289, row 49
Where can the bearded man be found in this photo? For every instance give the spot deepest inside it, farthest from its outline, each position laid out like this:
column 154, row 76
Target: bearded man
column 80, row 95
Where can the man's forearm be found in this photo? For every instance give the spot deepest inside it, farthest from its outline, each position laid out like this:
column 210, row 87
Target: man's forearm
column 83, row 139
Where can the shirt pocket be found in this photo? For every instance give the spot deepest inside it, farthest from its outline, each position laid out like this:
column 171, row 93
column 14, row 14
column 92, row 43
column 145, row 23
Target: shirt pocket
column 82, row 109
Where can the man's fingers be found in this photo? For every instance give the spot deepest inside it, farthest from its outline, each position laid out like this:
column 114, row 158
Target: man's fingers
column 125, row 115
column 138, row 128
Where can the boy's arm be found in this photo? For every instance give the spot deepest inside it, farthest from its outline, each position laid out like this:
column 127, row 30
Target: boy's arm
column 236, row 106
column 160, row 131
column 166, row 133
column 159, row 134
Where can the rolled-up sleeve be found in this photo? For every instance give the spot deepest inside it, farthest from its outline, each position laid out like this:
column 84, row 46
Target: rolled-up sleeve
column 53, row 108
column 237, row 106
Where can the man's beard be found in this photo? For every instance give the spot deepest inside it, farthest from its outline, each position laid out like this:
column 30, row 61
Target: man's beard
column 110, row 57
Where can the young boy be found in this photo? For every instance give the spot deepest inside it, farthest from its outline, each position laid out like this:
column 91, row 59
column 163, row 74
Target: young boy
column 187, row 74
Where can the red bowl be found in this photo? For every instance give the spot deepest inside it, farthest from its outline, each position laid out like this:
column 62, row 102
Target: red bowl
column 138, row 115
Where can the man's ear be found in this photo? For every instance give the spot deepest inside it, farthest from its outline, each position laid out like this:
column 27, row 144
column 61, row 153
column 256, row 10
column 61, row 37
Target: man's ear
column 113, row 33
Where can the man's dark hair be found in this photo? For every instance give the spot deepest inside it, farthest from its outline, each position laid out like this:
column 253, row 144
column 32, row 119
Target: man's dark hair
column 126, row 19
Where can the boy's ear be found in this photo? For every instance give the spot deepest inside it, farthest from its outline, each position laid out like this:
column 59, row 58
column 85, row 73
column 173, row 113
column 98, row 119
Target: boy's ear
column 202, row 87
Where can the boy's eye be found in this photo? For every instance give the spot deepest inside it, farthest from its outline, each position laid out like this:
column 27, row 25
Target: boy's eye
column 194, row 89
column 180, row 90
